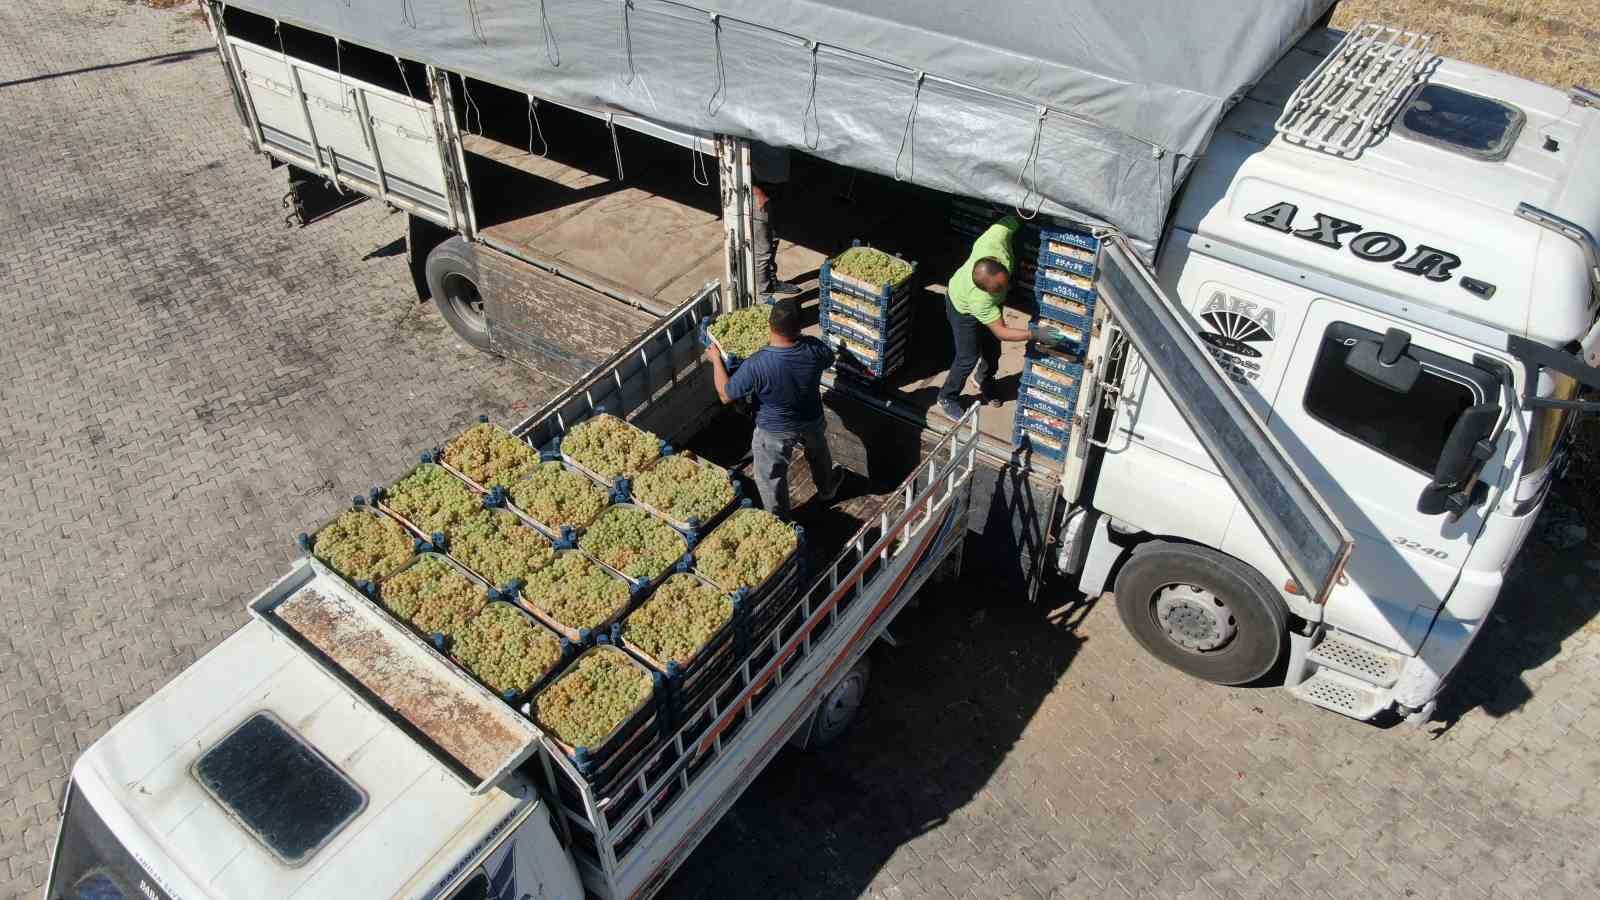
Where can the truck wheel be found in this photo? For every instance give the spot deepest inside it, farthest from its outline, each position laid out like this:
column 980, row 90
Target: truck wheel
column 1202, row 612
column 837, row 709
column 452, row 272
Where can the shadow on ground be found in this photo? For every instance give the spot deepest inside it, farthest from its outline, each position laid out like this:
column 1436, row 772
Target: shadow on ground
column 943, row 711
column 1545, row 603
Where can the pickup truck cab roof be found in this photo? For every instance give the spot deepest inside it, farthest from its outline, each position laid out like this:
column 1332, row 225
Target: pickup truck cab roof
column 1424, row 220
column 412, row 824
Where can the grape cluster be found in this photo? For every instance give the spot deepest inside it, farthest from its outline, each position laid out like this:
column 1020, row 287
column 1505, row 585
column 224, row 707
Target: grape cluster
column 871, row 266
column 555, row 496
column 575, row 592
column 610, row 447
column 678, row 619
column 433, row 597
column 489, row 456
column 743, row 331
column 432, row 499
column 506, row 650
column 633, row 542
column 593, row 698
column 745, row 550
column 362, row 546
column 681, row 488
column 497, row 546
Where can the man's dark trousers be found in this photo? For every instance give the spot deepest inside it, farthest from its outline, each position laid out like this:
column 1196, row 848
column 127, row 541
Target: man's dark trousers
column 977, row 354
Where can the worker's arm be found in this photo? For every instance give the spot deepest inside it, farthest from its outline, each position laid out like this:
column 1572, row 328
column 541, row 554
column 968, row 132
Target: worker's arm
column 1006, row 333
column 719, row 374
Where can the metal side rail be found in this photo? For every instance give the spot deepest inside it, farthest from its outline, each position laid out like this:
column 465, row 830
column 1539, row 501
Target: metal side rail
column 629, row 842
column 1292, row 516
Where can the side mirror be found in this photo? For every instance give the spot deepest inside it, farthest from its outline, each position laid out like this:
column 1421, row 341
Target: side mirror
column 1454, row 488
column 1385, row 364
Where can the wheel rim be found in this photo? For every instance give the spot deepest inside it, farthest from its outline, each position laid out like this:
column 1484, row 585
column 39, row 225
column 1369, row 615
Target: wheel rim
column 840, row 707
column 465, row 301
column 1194, row 618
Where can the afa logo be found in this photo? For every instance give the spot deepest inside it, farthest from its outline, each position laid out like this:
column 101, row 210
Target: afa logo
column 1237, row 323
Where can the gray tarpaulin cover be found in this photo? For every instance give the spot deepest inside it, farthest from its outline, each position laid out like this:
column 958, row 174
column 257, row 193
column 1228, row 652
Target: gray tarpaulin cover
column 943, row 93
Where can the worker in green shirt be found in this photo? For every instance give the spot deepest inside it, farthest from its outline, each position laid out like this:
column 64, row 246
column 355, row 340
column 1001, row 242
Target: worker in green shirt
column 972, row 303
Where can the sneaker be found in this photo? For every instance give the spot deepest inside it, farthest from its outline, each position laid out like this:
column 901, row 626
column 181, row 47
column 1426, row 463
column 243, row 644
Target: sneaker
column 988, row 399
column 951, row 410
column 833, row 488
column 781, row 288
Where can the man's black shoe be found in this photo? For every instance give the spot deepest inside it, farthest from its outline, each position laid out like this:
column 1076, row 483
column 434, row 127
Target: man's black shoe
column 782, row 288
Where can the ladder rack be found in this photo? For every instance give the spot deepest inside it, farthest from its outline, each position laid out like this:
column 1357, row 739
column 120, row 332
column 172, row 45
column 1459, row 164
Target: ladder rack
column 1349, row 100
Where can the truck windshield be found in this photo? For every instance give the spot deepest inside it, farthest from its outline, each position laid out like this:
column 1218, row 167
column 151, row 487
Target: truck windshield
column 90, row 864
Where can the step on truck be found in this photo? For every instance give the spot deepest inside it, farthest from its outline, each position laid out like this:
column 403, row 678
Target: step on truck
column 1337, row 307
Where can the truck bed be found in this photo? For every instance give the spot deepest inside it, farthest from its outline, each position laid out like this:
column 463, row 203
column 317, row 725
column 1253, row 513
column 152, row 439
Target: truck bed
column 652, row 234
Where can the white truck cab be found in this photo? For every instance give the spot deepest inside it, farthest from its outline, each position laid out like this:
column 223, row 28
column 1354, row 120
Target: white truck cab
column 1366, row 299
column 254, row 774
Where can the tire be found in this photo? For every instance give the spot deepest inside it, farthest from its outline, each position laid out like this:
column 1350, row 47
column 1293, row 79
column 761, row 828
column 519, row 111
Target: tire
column 1202, row 612
column 452, row 273
column 837, row 709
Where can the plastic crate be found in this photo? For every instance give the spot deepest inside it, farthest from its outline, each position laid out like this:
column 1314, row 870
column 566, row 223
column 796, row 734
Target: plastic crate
column 865, row 354
column 1027, row 441
column 585, row 635
column 1065, row 284
column 1072, row 237
column 517, row 698
column 1042, row 422
column 592, row 760
column 1050, row 260
column 690, row 528
column 564, row 536
column 1047, row 401
column 855, row 367
column 730, row 361
column 865, row 310
column 643, row 586
column 882, row 294
column 870, row 337
column 1064, row 371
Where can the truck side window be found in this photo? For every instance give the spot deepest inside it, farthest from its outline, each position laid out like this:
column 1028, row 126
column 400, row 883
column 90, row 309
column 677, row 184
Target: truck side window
column 1410, row 428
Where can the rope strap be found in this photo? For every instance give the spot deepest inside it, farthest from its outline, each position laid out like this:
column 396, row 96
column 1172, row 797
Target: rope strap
column 809, row 116
column 535, row 126
column 907, row 137
column 1032, row 162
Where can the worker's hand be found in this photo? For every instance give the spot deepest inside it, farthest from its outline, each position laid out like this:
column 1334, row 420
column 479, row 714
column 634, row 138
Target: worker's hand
column 713, row 355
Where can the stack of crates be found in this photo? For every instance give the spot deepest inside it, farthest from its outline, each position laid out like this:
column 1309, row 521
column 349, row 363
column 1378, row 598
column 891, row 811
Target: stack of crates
column 1063, row 287
column 870, row 324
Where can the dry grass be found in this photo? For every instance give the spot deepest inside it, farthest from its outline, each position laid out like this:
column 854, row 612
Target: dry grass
column 1553, row 41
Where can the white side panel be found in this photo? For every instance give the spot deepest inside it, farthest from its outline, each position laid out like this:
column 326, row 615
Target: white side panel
column 365, row 137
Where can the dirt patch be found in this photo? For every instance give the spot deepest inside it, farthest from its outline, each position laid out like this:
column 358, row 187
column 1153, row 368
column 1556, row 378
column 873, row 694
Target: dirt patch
column 1550, row 41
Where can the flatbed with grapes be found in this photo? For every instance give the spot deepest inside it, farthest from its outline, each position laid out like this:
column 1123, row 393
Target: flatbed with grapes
column 898, row 520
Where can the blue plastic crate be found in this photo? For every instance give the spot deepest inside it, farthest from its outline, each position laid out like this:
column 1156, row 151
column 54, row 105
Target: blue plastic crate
column 868, row 311
column 882, row 294
column 1037, row 356
column 1075, row 237
column 1048, row 401
column 1025, row 441
column 1049, row 260
column 1055, row 281
column 1043, row 422
column 850, row 329
column 851, row 364
column 1064, row 395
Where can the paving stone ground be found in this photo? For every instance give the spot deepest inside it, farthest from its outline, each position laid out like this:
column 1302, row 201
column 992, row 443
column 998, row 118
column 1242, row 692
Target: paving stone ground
column 184, row 383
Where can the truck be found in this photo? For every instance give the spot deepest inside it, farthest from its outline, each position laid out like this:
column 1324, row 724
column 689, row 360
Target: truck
column 1345, row 314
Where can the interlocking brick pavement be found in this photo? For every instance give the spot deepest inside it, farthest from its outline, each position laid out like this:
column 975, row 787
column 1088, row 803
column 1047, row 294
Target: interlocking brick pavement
column 184, row 383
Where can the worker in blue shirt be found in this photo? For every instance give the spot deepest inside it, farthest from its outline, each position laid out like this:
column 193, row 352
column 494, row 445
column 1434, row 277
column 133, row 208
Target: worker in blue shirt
column 784, row 382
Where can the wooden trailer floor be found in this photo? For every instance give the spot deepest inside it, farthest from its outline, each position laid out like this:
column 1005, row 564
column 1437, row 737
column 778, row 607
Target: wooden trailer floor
column 656, row 234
